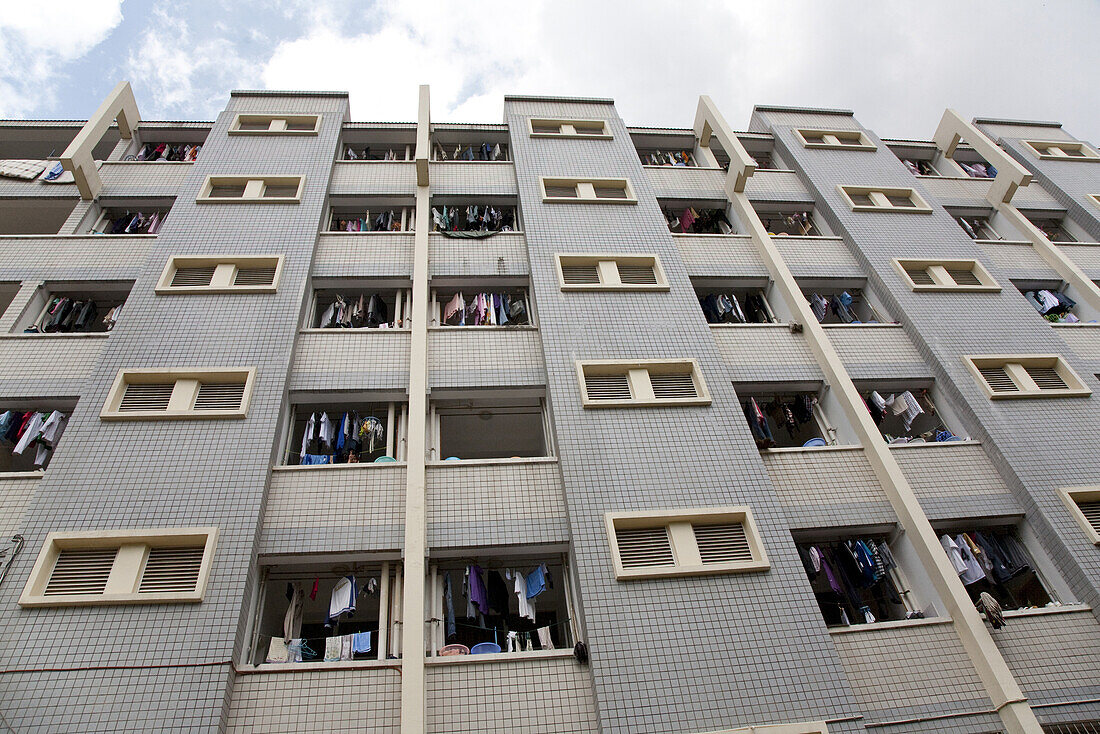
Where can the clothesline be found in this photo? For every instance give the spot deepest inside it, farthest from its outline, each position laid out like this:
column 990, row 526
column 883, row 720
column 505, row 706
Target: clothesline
column 132, row 223
column 24, row 429
column 166, row 152
column 486, row 309
column 483, row 152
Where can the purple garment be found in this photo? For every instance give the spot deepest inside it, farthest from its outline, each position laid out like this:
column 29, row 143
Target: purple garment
column 828, row 569
column 478, row 593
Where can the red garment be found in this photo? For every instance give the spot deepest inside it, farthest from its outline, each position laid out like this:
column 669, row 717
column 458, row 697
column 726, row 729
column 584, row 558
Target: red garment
column 686, row 220
column 313, row 594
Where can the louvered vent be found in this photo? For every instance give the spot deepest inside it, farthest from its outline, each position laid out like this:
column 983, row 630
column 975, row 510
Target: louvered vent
column 607, row 387
column 997, row 379
column 722, row 543
column 644, row 547
column 1091, row 511
column 254, row 276
column 81, row 571
column 919, row 275
column 673, row 387
column 637, row 274
column 1047, row 378
column 219, row 396
column 146, row 396
column 546, row 128
column 581, row 274
column 171, row 570
column 609, row 192
column 963, row 277
column 562, row 191
column 191, row 277
column 1079, row 727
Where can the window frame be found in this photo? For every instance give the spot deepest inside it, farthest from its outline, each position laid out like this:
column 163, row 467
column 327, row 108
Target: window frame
column 182, row 394
column 226, row 268
column 641, row 387
column 685, row 553
column 1039, row 147
column 278, row 123
column 127, row 568
column 937, row 270
column 568, row 128
column 1015, row 364
column 585, row 188
column 1071, row 496
column 608, row 271
column 862, row 143
column 254, row 187
column 879, row 195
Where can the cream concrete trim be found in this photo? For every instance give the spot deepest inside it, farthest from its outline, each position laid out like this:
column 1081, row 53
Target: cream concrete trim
column 685, row 552
column 187, row 382
column 609, row 272
column 1010, row 173
column 938, row 271
column 586, row 190
column 641, row 389
column 254, row 188
column 78, row 157
column 1042, row 149
column 1071, row 496
column 1095, row 199
column 570, row 128
column 277, row 124
column 710, row 122
column 880, row 196
column 423, row 153
column 226, row 267
column 1026, row 387
column 834, row 139
column 125, row 578
column 808, row 727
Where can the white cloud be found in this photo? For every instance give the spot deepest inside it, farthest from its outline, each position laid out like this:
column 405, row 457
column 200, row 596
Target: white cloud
column 37, row 38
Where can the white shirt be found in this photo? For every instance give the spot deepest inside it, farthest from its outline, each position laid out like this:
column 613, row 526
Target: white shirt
column 526, row 607
column 343, row 597
column 953, row 554
column 34, row 427
column 311, row 424
column 974, row 571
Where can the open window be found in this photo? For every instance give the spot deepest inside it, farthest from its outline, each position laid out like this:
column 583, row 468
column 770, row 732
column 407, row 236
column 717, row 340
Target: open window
column 504, row 427
column 474, row 218
column 132, row 219
column 689, row 218
column 843, row 303
column 333, row 431
column 481, row 304
column 682, row 157
column 782, row 416
column 789, row 222
column 30, row 432
column 70, row 307
column 908, row 413
column 357, row 304
column 372, row 216
column 512, row 601
column 978, row 228
column 736, row 303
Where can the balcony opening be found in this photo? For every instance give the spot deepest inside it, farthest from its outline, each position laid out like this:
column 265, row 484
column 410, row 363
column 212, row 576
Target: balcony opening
column 977, row 168
column 1052, row 301
column 696, row 218
column 474, row 219
column 786, row 418
column 157, row 143
column 909, row 414
column 1055, row 229
column 34, row 216
column 843, row 303
column 372, row 216
column 978, row 228
column 357, row 304
column 346, row 432
column 35, row 141
column 469, row 146
column 500, row 603
column 392, row 143
column 920, row 167
column 131, row 219
column 74, row 308
column 481, row 304
column 667, row 157
column 30, row 431
column 735, row 304
column 789, row 223
column 489, row 428
column 293, row 622
column 163, row 152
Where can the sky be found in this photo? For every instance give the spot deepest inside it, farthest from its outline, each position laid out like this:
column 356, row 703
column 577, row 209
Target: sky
column 896, row 64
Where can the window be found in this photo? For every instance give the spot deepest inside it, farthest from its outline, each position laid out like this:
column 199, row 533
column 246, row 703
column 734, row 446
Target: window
column 1062, row 150
column 1084, row 505
column 1053, row 229
column 626, row 384
column 360, row 306
column 566, row 128
column 789, row 223
column 121, row 567
column 356, row 220
column 947, row 275
column 735, row 305
column 221, row 274
column 978, row 228
column 857, row 581
column 907, row 415
column 684, row 542
column 484, row 305
column 1026, row 376
column 1008, row 570
column 835, row 139
column 882, row 199
column 28, row 437
column 584, row 272
column 266, row 189
column 159, row 393
column 697, row 220
column 146, row 220
column 73, row 308
column 785, row 419
column 280, row 124
column 346, row 432
column 587, row 190
column 498, row 428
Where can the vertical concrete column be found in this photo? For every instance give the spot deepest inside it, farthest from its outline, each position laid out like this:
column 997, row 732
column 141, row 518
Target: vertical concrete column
column 416, row 534
column 997, row 678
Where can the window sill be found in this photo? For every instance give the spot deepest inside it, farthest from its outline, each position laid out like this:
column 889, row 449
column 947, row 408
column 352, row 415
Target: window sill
column 359, row 330
column 1065, row 608
column 335, row 467
column 320, row 666
column 36, row 474
column 579, row 200
column 693, row 168
column 128, row 163
column 344, row 160
column 896, row 624
column 958, row 178
column 956, row 288
column 771, row 324
column 444, row 163
column 1078, row 325
column 933, row 444
column 805, row 236
column 448, row 327
column 713, row 234
column 499, row 657
column 57, row 335
column 104, row 234
column 810, row 449
column 1003, row 242
column 491, row 462
column 864, row 325
column 440, row 234
column 393, row 231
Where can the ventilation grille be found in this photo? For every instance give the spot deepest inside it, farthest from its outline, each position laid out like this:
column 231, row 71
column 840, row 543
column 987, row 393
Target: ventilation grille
column 673, row 387
column 644, row 547
column 1091, row 511
column 918, row 275
column 81, row 571
column 963, row 276
column 637, row 274
column 581, row 274
column 610, row 192
column 190, row 277
column 146, row 396
column 1080, row 727
column 997, row 379
column 722, row 543
column 254, row 276
column 562, row 191
column 171, row 570
column 1047, row 378
column 219, row 396
column 546, row 128
column 607, row 387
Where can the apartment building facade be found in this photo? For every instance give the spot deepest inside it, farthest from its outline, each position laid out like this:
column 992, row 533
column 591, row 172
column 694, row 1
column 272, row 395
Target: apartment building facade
column 548, row 425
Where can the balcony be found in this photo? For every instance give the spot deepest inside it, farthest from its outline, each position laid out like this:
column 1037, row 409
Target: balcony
column 54, row 365
column 144, row 178
column 758, row 352
column 877, row 351
column 485, row 357
column 371, row 255
column 955, row 479
column 718, row 256
column 828, row 487
column 769, row 184
column 965, row 192
column 818, row 257
column 76, row 257
column 1017, row 259
column 503, row 254
column 686, row 182
column 1086, row 255
column 351, row 359
column 373, row 178
column 482, row 178
column 15, row 495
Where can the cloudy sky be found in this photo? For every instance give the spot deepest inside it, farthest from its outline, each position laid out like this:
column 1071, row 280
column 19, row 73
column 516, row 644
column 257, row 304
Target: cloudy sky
column 897, row 64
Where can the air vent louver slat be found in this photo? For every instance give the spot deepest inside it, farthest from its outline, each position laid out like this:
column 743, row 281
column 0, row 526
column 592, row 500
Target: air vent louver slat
column 81, row 571
column 171, row 570
column 219, row 396
column 1091, row 511
column 1047, row 378
column 607, row 387
column 146, row 396
column 637, row 274
column 722, row 543
column 997, row 379
column 673, row 386
column 963, row 276
column 255, row 276
column 644, row 547
column 581, row 274
column 193, row 277
column 919, row 275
